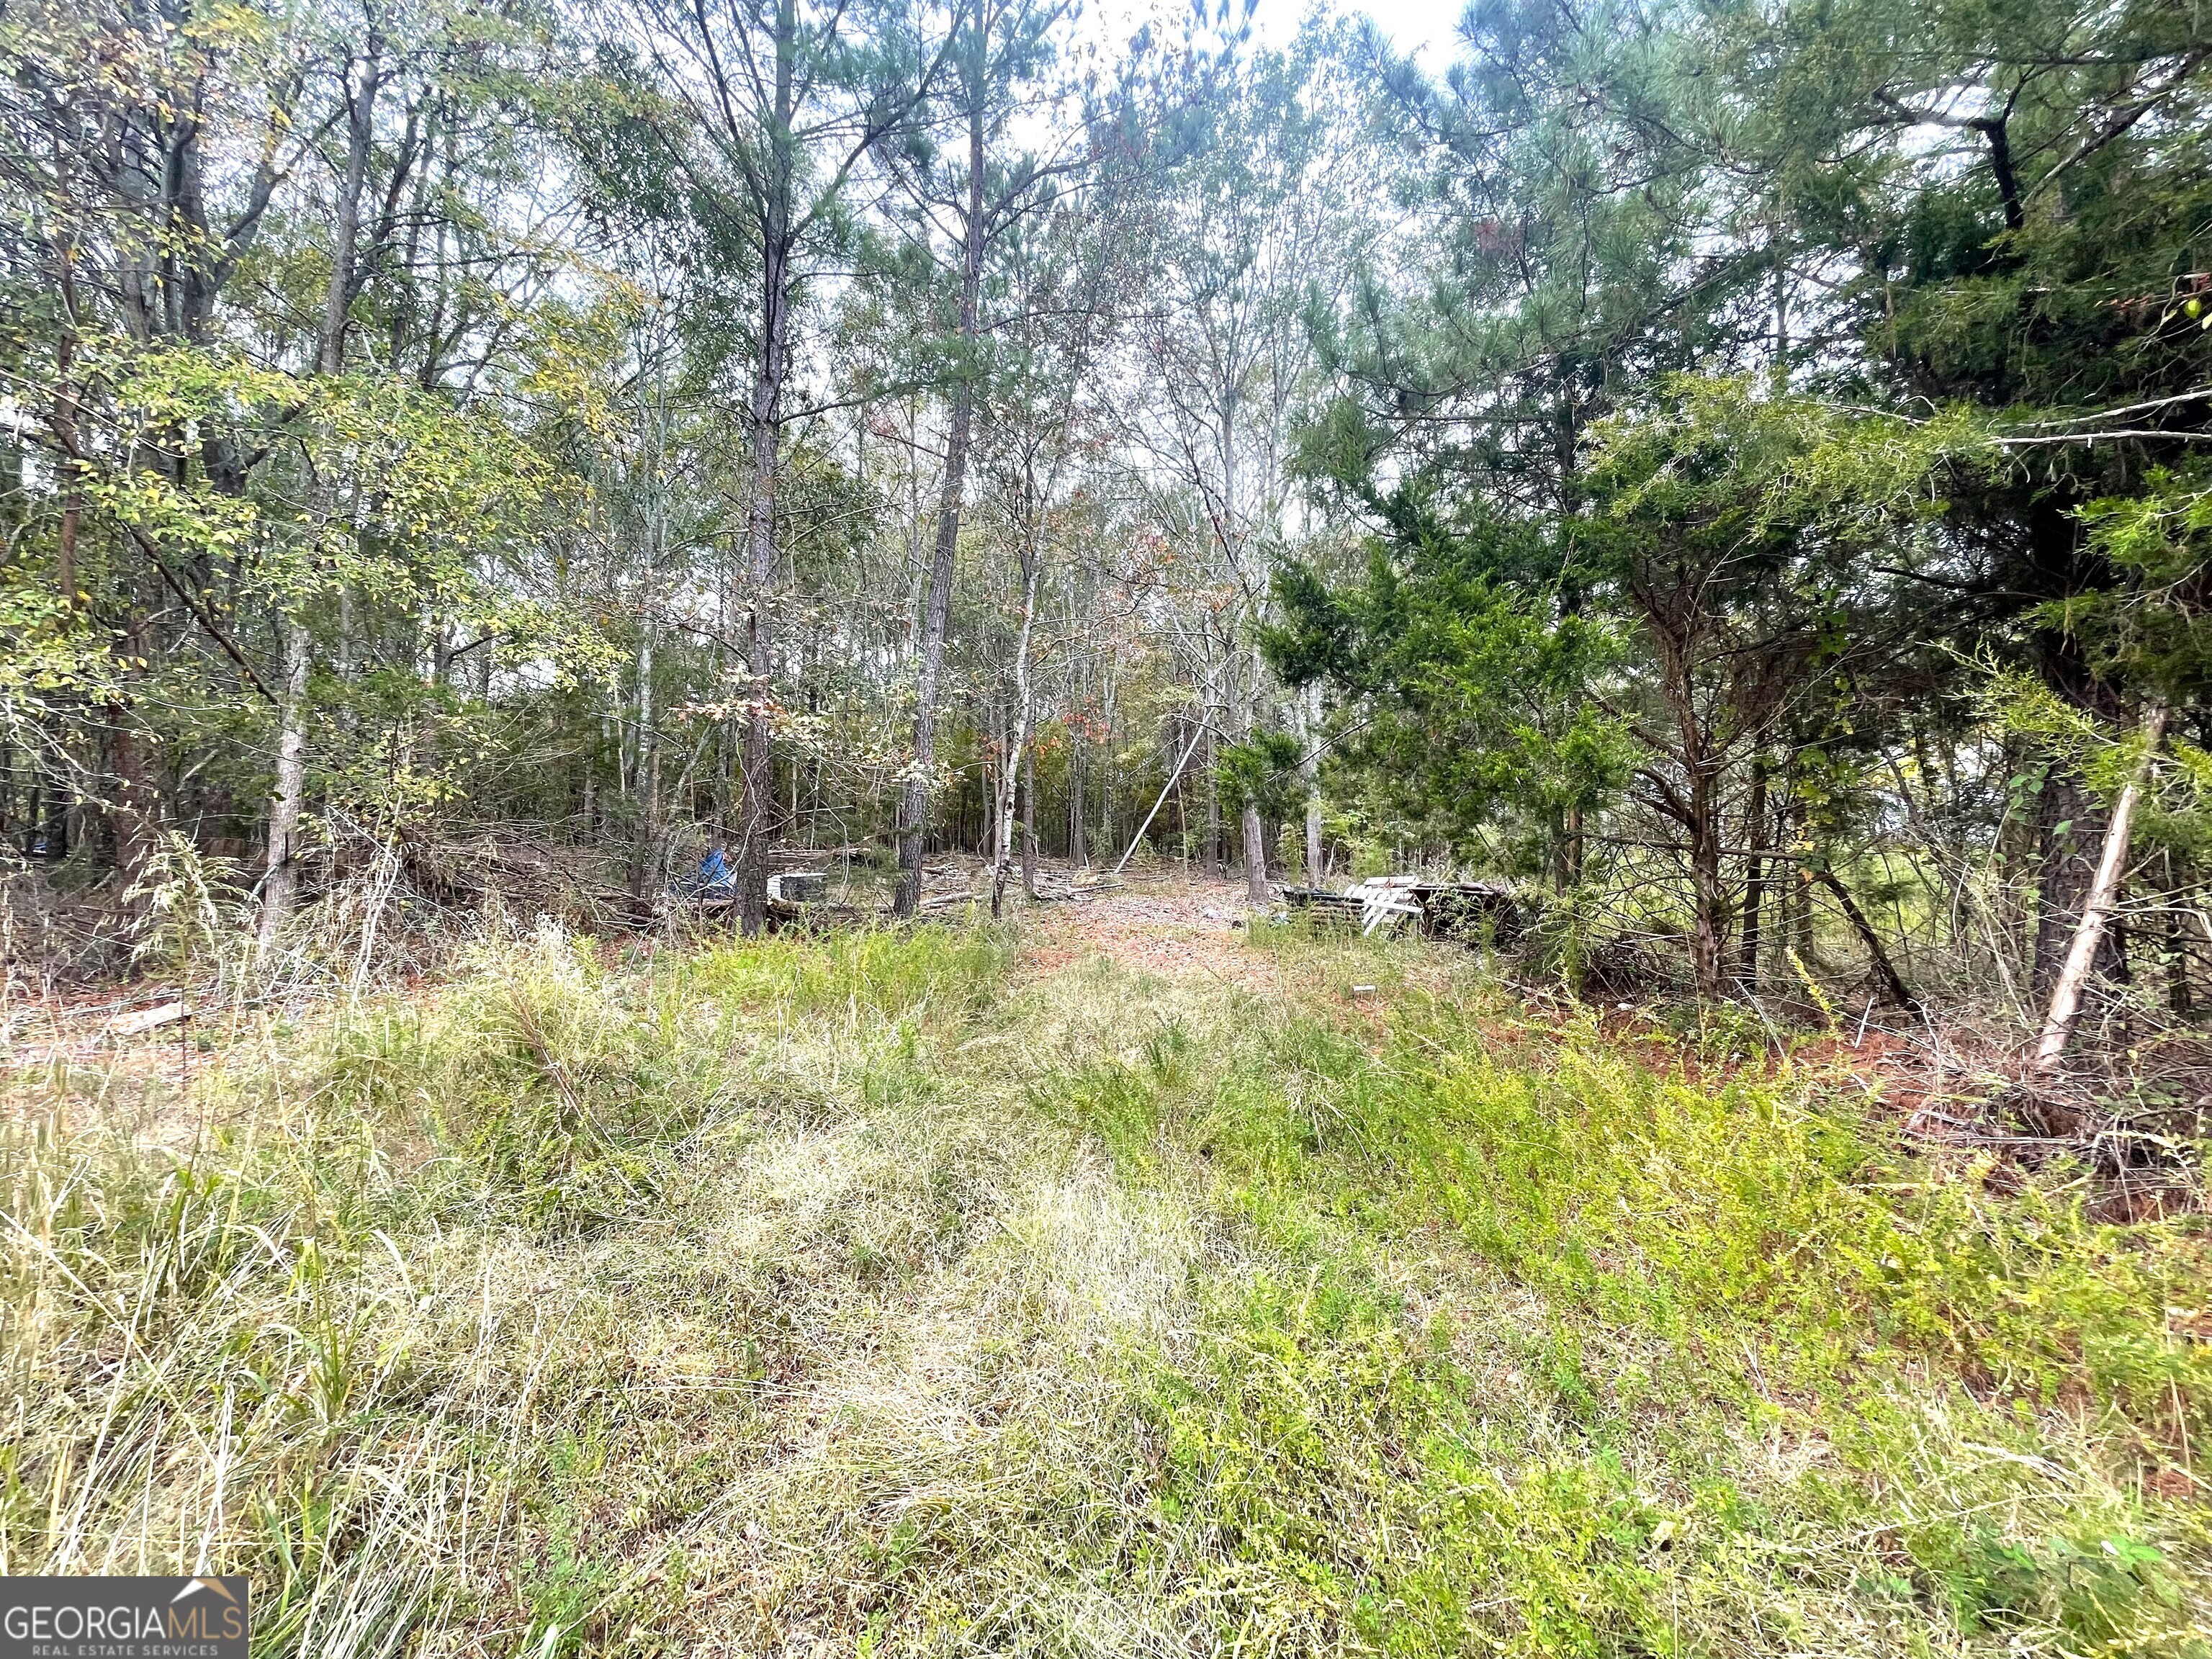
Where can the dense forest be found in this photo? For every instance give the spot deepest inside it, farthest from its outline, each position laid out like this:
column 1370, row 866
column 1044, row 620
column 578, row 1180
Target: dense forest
column 920, row 827
column 1732, row 470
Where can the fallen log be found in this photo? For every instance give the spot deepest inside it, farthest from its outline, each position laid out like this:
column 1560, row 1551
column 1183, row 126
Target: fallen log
column 1900, row 992
column 2096, row 909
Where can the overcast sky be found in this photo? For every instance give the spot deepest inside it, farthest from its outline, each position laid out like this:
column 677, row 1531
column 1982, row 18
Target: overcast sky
column 1422, row 27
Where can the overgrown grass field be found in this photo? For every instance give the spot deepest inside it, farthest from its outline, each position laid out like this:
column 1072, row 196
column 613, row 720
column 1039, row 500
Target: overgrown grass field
column 875, row 1295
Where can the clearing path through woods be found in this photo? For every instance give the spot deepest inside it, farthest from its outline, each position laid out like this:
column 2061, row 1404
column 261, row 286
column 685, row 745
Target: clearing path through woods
column 1177, row 927
column 1123, row 1280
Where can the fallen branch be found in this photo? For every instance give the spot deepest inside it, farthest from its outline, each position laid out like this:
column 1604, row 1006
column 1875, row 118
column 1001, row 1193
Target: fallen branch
column 1900, row 992
column 1188, row 749
column 2096, row 909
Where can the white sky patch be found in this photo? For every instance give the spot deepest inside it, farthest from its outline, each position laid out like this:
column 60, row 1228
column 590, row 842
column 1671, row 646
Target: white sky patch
column 1426, row 28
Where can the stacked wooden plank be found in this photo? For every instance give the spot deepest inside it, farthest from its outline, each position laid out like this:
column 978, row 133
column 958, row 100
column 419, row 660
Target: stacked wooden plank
column 1438, row 909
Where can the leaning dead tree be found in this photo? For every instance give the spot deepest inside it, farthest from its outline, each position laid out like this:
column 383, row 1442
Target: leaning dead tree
column 2066, row 994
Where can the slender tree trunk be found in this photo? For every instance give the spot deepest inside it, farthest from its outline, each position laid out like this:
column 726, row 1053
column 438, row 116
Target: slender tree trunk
column 1900, row 992
column 913, row 800
column 1754, row 880
column 1029, row 819
column 281, row 884
column 1706, row 926
column 1017, row 757
column 1255, row 856
column 753, row 781
column 1213, row 866
column 1078, row 832
column 1107, row 838
column 767, row 413
column 2071, row 824
column 2096, row 909
column 1566, row 441
column 987, row 833
column 643, row 856
column 649, row 860
column 655, row 851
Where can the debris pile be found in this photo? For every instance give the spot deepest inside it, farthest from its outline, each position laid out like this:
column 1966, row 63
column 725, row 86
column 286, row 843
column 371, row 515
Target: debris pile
column 1466, row 910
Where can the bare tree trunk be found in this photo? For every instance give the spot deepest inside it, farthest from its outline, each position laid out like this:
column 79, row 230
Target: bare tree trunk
column 2070, row 823
column 988, row 836
column 1022, row 715
column 1900, row 992
column 2096, row 909
column 1706, row 898
column 655, row 852
column 1106, row 779
column 913, row 800
column 280, row 885
column 1255, row 856
column 760, row 538
column 282, row 882
column 1078, row 850
column 1754, row 880
column 1797, row 896
column 1213, row 801
column 1696, row 804
column 650, row 859
column 644, row 855
column 1028, row 820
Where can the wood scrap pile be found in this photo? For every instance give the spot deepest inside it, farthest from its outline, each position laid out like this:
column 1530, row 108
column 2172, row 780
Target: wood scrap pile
column 811, row 916
column 1055, row 889
column 948, row 886
column 1466, row 910
column 520, row 874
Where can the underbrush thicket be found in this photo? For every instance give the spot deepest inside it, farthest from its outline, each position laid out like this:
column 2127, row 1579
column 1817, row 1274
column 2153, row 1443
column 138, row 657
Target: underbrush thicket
column 855, row 1291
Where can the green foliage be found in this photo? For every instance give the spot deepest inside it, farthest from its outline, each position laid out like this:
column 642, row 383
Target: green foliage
column 441, row 494
column 1692, row 1266
column 48, row 650
column 2152, row 628
column 901, row 974
column 1472, row 681
column 556, row 1095
column 1262, row 772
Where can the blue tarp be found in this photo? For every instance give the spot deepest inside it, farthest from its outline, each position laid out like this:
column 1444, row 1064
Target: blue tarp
column 713, row 876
